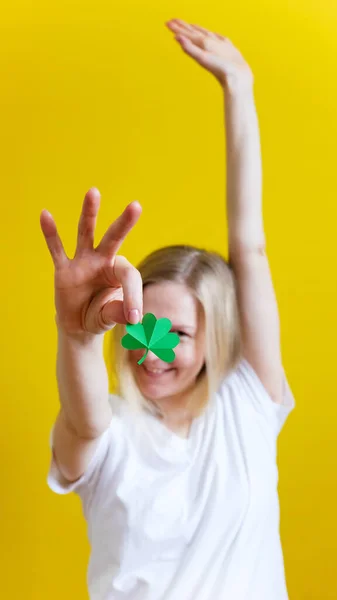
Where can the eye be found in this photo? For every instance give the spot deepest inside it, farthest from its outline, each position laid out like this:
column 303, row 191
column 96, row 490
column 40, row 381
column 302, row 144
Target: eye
column 181, row 333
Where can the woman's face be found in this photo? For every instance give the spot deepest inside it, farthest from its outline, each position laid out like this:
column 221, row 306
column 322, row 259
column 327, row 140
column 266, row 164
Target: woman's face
column 155, row 378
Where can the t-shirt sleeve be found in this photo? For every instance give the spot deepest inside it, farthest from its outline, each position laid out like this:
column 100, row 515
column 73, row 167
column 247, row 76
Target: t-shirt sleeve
column 247, row 386
column 57, row 482
column 102, row 465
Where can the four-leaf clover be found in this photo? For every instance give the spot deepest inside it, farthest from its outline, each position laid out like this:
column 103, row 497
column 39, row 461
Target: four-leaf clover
column 152, row 334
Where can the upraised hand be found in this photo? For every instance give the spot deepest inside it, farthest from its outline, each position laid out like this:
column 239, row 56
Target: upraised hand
column 214, row 52
column 97, row 288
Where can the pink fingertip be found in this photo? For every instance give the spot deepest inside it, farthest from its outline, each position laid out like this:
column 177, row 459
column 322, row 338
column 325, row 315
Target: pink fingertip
column 133, row 316
column 95, row 191
column 135, row 202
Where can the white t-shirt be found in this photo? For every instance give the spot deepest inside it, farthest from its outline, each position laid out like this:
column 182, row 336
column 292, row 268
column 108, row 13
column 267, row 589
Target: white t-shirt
column 187, row 519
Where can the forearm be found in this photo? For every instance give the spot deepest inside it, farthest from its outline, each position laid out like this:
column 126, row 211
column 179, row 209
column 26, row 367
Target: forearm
column 244, row 172
column 83, row 384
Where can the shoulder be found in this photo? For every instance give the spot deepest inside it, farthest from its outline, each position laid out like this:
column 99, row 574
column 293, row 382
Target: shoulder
column 243, row 390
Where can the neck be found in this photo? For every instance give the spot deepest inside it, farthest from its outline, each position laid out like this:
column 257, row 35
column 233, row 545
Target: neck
column 184, row 406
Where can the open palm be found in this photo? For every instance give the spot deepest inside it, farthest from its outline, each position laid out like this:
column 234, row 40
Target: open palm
column 97, row 288
column 214, row 52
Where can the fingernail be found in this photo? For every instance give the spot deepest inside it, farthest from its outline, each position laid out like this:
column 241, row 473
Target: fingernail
column 133, row 316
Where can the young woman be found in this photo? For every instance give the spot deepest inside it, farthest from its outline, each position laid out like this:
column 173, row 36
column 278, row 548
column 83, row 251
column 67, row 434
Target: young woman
column 177, row 473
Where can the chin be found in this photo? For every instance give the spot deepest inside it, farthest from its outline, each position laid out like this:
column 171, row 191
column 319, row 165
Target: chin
column 153, row 389
column 154, row 396
column 156, row 392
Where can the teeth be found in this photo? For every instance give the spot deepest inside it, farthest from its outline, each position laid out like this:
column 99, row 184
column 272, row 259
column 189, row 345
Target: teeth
column 155, row 370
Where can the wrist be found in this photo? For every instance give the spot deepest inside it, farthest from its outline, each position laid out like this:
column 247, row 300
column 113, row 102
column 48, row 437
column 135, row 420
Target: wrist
column 236, row 89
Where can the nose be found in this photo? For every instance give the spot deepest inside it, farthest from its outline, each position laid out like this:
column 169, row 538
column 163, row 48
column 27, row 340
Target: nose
column 152, row 359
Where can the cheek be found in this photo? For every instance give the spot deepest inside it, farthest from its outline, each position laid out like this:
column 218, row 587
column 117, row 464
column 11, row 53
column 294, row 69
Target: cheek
column 135, row 356
column 188, row 356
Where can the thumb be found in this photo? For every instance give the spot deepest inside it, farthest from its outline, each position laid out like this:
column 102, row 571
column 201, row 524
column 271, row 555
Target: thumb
column 104, row 311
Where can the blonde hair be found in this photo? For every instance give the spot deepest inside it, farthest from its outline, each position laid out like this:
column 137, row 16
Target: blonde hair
column 211, row 281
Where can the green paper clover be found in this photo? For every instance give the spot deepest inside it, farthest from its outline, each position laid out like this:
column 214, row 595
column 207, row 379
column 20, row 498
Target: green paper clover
column 152, row 334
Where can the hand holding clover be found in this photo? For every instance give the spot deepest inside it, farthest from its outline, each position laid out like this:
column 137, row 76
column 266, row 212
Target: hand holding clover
column 152, row 334
column 97, row 288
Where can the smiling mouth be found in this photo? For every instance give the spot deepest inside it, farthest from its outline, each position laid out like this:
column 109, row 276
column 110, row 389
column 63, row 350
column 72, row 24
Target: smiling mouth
column 156, row 372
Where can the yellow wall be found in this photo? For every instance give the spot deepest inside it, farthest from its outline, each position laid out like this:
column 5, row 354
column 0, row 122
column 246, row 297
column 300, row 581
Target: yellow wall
column 97, row 93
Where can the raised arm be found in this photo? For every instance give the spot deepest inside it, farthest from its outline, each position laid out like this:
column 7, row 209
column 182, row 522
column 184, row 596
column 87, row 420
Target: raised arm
column 247, row 247
column 93, row 291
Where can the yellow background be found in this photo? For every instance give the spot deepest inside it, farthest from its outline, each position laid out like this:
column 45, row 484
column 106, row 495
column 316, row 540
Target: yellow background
column 98, row 93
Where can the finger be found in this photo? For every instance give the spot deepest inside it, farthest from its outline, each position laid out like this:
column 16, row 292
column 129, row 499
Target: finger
column 221, row 37
column 114, row 236
column 188, row 32
column 105, row 310
column 112, row 313
column 87, row 221
column 184, row 28
column 193, row 50
column 131, row 281
column 179, row 23
column 53, row 240
column 204, row 31
column 212, row 34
